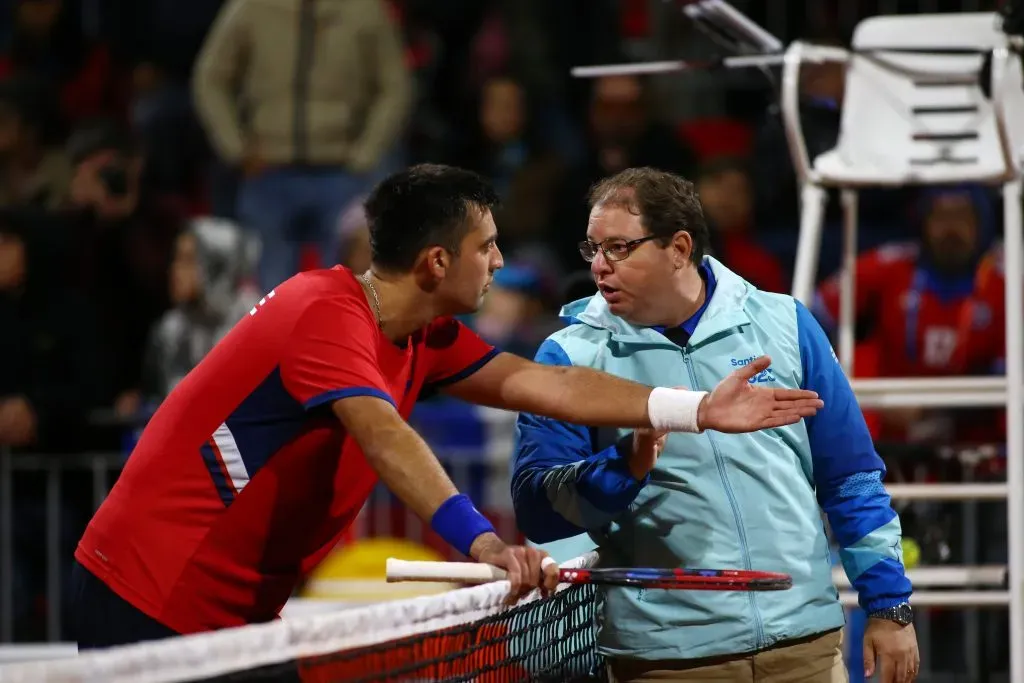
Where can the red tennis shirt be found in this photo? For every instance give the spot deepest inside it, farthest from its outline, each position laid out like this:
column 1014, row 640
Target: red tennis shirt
column 244, row 479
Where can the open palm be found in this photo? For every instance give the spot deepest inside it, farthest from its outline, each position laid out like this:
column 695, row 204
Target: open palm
column 736, row 406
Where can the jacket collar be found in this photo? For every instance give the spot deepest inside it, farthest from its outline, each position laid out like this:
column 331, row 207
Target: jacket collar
column 724, row 312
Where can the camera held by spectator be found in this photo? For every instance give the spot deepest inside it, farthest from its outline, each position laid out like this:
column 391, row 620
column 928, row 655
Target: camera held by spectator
column 108, row 170
column 123, row 237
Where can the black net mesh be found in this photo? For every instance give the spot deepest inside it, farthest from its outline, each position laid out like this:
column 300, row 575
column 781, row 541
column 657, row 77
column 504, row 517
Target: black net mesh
column 549, row 640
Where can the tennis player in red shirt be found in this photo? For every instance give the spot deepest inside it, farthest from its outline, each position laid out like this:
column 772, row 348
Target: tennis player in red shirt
column 259, row 460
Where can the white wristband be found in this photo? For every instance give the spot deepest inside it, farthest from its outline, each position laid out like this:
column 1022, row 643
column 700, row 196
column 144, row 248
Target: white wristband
column 674, row 410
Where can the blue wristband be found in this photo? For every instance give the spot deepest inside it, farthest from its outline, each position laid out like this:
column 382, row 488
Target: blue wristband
column 458, row 522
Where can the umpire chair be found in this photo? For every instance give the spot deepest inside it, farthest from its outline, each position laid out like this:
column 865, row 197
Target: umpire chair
column 929, row 100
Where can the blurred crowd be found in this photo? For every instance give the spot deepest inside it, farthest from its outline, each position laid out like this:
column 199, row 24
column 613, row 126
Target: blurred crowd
column 163, row 163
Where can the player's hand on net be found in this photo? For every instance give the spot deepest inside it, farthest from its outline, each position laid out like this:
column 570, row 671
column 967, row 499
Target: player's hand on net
column 526, row 567
column 736, row 405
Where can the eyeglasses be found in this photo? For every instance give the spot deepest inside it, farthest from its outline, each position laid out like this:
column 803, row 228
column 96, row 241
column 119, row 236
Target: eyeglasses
column 614, row 248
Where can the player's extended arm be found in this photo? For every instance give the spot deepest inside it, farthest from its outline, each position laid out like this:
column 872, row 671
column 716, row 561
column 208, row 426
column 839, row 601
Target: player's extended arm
column 397, row 453
column 407, row 466
column 597, row 399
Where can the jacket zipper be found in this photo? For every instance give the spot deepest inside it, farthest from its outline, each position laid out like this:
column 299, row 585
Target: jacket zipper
column 737, row 518
column 303, row 66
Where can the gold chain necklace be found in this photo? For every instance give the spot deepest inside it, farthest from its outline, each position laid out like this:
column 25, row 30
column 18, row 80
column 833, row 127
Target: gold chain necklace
column 376, row 299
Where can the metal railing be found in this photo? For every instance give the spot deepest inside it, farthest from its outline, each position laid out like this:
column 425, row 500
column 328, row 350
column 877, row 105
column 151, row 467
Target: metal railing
column 102, row 466
column 382, row 516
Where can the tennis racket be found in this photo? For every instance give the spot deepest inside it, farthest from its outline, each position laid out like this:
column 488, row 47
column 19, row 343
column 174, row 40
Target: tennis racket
column 671, row 579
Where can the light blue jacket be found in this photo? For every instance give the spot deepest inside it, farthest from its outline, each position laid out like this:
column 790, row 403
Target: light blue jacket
column 750, row 501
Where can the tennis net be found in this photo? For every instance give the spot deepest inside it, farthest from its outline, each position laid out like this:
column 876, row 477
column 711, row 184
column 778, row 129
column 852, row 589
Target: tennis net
column 463, row 635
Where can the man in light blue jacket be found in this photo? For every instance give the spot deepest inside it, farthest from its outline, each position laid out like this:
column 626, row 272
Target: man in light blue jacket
column 667, row 315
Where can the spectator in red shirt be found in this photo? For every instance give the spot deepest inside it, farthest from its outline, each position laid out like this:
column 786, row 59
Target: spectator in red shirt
column 726, row 193
column 932, row 308
column 48, row 41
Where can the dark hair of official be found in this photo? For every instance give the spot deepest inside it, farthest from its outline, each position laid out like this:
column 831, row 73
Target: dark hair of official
column 421, row 207
column 666, row 204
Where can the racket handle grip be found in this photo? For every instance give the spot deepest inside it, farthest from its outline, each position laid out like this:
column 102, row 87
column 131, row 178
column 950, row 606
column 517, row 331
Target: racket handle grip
column 445, row 572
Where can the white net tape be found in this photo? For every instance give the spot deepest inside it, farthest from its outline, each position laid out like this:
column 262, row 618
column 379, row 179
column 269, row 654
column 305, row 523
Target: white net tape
column 204, row 655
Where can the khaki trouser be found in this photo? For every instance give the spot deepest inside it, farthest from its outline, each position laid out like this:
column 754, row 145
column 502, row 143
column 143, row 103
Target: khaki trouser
column 817, row 659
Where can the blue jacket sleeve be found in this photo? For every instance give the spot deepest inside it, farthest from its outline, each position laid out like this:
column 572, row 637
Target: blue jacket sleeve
column 848, row 477
column 560, row 486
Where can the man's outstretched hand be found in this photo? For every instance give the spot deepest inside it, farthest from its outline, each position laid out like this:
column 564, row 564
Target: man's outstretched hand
column 736, row 406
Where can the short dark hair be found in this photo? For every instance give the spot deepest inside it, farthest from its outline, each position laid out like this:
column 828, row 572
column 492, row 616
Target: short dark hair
column 423, row 206
column 665, row 203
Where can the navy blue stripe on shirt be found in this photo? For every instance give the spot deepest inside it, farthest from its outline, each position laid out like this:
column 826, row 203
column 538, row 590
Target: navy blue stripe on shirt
column 335, row 394
column 267, row 419
column 217, row 473
column 465, row 372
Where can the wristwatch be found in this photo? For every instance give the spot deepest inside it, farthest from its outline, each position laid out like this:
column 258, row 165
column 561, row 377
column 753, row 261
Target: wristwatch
column 902, row 614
